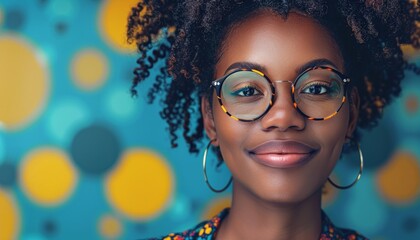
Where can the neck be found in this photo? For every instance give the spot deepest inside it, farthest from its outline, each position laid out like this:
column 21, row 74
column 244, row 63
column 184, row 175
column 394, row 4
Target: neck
column 251, row 217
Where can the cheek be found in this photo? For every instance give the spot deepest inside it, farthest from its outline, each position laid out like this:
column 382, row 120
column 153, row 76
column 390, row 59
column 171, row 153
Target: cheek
column 330, row 134
column 230, row 133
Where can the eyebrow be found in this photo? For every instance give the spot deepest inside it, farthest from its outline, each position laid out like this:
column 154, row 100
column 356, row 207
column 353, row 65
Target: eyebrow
column 248, row 65
column 300, row 69
column 314, row 63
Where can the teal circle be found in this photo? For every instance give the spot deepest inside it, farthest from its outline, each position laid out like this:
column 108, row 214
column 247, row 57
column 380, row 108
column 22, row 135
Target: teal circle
column 61, row 8
column 366, row 211
column 33, row 237
column 2, row 149
column 411, row 145
column 120, row 104
column 181, row 208
column 66, row 118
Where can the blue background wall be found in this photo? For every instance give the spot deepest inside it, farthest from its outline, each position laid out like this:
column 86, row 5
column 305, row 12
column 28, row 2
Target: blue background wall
column 81, row 159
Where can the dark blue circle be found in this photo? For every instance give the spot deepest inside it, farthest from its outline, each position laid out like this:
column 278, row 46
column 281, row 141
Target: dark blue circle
column 49, row 228
column 8, row 174
column 410, row 224
column 14, row 19
column 378, row 145
column 95, row 149
column 61, row 27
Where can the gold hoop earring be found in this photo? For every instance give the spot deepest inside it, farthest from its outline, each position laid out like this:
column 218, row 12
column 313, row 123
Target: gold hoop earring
column 359, row 175
column 205, row 172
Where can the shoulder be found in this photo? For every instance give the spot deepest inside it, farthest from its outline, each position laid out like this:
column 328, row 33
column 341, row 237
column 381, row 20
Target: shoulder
column 205, row 230
column 330, row 231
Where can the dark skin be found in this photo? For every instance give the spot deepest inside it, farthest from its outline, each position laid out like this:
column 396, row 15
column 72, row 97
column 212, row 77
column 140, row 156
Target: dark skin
column 285, row 202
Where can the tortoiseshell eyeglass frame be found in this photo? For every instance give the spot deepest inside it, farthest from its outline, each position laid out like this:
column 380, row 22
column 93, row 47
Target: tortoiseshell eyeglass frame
column 218, row 83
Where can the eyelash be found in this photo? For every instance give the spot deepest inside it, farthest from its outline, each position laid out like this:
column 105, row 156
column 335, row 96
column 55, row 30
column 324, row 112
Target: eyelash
column 247, row 87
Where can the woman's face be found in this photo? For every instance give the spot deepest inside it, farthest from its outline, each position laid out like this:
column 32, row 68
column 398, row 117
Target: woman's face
column 283, row 156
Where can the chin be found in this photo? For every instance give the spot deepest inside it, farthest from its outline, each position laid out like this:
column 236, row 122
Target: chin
column 289, row 198
column 289, row 195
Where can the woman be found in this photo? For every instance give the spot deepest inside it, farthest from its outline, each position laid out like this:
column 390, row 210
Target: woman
column 278, row 87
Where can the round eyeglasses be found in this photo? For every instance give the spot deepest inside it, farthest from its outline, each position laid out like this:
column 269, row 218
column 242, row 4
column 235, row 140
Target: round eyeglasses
column 318, row 93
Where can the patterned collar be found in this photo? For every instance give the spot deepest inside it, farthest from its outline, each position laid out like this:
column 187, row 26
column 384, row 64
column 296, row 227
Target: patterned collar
column 207, row 230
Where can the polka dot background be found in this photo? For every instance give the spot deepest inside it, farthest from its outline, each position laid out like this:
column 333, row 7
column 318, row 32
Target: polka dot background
column 81, row 159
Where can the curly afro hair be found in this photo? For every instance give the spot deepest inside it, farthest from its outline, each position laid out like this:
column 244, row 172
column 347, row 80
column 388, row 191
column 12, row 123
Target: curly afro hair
column 188, row 36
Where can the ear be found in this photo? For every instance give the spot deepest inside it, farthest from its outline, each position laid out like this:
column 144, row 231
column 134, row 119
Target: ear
column 354, row 104
column 208, row 120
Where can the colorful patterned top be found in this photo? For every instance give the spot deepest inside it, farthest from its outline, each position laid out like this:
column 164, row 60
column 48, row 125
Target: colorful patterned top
column 207, row 230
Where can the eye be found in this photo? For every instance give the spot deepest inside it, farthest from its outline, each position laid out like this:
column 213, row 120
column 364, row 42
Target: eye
column 247, row 91
column 316, row 88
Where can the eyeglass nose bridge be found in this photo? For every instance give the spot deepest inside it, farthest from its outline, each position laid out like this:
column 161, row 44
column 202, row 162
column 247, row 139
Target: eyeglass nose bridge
column 275, row 95
column 292, row 85
column 283, row 81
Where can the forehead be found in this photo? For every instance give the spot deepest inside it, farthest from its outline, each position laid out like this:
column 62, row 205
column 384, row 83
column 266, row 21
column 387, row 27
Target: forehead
column 279, row 44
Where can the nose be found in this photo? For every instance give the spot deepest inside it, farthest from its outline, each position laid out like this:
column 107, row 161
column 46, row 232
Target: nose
column 282, row 115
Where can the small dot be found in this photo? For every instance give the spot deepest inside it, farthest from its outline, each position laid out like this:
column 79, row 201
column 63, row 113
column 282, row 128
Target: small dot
column 110, row 227
column 9, row 211
column 14, row 19
column 61, row 27
column 141, row 186
column 7, row 174
column 412, row 104
column 399, row 180
column 113, row 21
column 47, row 176
column 216, row 206
column 42, row 2
column 89, row 69
column 49, row 228
column 95, row 149
column 141, row 227
column 195, row 204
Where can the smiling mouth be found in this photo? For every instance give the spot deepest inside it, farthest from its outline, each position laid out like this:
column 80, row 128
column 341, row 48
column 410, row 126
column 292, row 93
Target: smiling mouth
column 282, row 154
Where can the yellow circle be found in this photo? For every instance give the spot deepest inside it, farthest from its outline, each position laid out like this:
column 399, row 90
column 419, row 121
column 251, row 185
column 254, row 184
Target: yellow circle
column 141, row 186
column 10, row 217
column 110, row 227
column 215, row 207
column 409, row 51
column 113, row 21
column 24, row 82
column 47, row 176
column 89, row 69
column 399, row 180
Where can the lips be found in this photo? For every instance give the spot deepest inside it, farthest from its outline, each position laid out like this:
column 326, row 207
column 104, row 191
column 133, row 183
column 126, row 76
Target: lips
column 282, row 154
